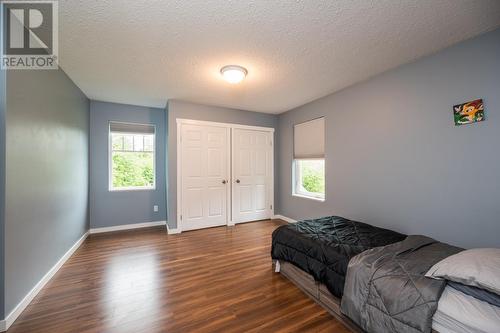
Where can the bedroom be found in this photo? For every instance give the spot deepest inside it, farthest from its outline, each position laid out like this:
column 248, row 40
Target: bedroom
column 130, row 168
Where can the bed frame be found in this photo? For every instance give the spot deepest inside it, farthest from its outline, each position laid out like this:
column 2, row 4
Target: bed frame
column 317, row 291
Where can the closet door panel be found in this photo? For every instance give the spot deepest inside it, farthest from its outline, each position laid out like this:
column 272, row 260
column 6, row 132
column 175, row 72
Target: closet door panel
column 204, row 163
column 251, row 175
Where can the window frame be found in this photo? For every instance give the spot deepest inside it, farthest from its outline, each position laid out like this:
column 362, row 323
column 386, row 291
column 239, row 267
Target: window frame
column 297, row 186
column 111, row 188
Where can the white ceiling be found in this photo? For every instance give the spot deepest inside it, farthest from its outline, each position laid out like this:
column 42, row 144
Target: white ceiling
column 144, row 52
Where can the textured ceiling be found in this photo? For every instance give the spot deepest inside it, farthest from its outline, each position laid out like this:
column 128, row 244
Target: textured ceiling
column 144, row 52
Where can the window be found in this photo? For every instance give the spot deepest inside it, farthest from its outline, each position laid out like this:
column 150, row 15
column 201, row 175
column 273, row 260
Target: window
column 309, row 159
column 132, row 156
column 310, row 178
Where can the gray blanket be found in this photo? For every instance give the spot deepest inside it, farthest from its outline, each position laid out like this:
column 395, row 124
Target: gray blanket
column 386, row 290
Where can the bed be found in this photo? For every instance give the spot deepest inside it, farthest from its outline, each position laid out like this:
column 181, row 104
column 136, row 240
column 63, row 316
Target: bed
column 377, row 280
column 318, row 292
column 387, row 289
column 323, row 247
column 315, row 290
column 314, row 255
column 460, row 313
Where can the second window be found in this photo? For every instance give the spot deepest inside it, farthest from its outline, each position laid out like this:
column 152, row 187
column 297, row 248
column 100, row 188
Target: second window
column 132, row 156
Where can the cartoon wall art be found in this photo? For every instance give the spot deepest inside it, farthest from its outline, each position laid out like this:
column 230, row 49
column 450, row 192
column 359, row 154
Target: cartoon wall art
column 470, row 112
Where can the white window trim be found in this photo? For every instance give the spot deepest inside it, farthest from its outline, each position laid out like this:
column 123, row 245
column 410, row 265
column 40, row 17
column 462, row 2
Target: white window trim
column 111, row 188
column 297, row 189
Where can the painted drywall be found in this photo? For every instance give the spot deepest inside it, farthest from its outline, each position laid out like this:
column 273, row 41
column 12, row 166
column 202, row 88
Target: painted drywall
column 2, row 193
column 394, row 157
column 112, row 208
column 46, row 204
column 185, row 110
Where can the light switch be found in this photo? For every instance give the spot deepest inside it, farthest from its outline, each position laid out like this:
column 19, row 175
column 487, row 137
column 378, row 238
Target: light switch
column 155, row 208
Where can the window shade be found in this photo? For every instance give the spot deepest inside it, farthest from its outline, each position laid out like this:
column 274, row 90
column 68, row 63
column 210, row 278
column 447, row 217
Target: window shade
column 309, row 139
column 117, row 127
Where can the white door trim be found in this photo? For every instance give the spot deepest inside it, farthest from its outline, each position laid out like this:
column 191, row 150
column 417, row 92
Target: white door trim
column 228, row 125
column 272, row 175
column 231, row 126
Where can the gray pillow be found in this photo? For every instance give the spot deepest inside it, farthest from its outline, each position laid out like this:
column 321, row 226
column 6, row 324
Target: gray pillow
column 476, row 267
column 480, row 294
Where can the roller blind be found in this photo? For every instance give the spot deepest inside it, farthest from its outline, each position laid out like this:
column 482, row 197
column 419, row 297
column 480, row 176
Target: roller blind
column 117, row 127
column 309, row 139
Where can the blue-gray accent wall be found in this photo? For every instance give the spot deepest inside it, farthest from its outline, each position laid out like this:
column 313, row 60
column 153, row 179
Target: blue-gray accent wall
column 185, row 110
column 46, row 196
column 107, row 208
column 394, row 157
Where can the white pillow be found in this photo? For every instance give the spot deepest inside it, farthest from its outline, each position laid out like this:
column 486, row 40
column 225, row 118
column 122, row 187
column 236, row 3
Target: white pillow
column 477, row 267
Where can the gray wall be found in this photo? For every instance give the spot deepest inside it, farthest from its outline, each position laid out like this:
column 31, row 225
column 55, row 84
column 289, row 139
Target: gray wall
column 2, row 193
column 46, row 175
column 124, row 207
column 185, row 110
column 394, row 157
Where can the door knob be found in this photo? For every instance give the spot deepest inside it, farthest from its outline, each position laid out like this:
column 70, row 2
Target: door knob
column 224, row 181
column 237, row 181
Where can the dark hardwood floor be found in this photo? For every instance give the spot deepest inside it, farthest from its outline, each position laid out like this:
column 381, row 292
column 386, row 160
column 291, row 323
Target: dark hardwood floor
column 212, row 280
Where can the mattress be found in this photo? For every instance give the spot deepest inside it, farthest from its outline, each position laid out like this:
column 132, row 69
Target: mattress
column 461, row 313
column 323, row 247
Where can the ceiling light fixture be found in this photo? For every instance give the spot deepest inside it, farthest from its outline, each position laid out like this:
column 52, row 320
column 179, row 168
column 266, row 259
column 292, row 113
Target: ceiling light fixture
column 233, row 73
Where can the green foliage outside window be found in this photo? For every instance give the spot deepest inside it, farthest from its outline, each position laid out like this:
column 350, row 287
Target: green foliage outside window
column 133, row 169
column 313, row 175
column 133, row 160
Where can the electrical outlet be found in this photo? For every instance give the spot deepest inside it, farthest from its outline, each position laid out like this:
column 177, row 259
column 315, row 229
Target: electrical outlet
column 155, row 208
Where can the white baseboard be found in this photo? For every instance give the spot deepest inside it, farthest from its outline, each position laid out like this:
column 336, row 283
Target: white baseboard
column 284, row 218
column 173, row 231
column 11, row 317
column 127, row 227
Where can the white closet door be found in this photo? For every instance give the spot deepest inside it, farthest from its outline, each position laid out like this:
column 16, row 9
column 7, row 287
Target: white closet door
column 204, row 176
column 252, row 154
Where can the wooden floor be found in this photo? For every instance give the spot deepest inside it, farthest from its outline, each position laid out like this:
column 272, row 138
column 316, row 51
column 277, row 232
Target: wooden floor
column 212, row 280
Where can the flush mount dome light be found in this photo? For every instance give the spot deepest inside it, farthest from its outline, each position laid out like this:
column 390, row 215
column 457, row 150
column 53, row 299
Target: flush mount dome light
column 233, row 73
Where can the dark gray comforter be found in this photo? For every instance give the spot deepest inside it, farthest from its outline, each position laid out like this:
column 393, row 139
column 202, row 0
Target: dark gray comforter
column 386, row 290
column 323, row 247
